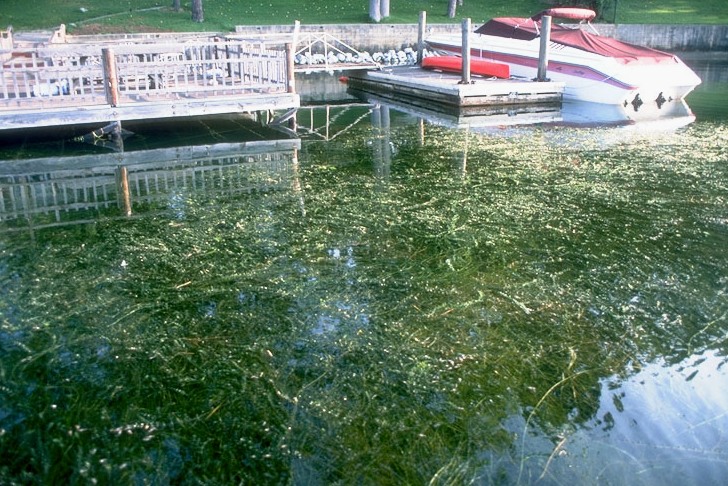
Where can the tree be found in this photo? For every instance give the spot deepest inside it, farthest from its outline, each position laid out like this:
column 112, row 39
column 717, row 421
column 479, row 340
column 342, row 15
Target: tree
column 197, row 13
column 375, row 10
column 451, row 7
column 385, row 8
column 176, row 5
column 378, row 9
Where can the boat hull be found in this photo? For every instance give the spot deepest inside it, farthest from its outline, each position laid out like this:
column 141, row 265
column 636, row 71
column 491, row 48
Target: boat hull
column 587, row 77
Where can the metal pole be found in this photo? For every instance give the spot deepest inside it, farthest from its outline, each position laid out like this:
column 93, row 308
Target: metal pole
column 543, row 52
column 466, row 52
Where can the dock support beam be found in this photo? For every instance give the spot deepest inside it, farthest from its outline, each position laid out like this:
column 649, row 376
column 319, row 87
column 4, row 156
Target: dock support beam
column 111, row 79
column 421, row 27
column 466, row 52
column 110, row 136
column 543, row 52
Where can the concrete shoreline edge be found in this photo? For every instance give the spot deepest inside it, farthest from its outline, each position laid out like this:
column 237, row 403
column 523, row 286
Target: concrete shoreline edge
column 379, row 37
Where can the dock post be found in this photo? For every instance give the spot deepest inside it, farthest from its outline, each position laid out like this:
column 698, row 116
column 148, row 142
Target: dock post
column 290, row 67
column 111, row 80
column 466, row 52
column 421, row 27
column 543, row 52
column 296, row 32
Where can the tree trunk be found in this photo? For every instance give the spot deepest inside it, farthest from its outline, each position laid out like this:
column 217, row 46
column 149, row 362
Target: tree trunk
column 197, row 13
column 451, row 6
column 385, row 8
column 176, row 5
column 375, row 10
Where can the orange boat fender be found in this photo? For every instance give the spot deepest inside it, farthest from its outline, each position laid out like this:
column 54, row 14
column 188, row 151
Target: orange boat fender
column 454, row 64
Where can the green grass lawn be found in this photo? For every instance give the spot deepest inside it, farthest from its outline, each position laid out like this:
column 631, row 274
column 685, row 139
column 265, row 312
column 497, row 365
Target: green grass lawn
column 224, row 15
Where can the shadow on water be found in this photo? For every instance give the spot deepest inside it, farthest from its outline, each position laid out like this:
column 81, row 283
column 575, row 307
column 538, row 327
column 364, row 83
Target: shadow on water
column 140, row 135
column 385, row 299
column 710, row 100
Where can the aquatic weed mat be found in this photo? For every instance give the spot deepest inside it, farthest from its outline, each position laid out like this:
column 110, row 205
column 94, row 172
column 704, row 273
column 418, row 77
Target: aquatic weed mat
column 446, row 310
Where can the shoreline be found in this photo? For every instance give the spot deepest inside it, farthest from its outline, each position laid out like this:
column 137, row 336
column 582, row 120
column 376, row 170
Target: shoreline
column 684, row 39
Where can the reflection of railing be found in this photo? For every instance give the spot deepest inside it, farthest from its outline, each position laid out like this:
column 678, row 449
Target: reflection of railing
column 50, row 192
column 337, row 119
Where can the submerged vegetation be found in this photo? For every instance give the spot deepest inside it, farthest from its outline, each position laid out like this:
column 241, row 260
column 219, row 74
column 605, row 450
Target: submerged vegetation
column 398, row 311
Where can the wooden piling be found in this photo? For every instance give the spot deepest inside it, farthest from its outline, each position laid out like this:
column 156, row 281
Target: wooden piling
column 290, row 67
column 122, row 175
column 296, row 33
column 111, row 79
column 421, row 27
column 466, row 52
column 543, row 52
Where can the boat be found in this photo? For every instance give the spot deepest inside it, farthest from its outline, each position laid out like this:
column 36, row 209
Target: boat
column 594, row 68
column 454, row 64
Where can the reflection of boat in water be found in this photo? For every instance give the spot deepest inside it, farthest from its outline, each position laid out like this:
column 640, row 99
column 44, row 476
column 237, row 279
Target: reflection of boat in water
column 594, row 69
column 669, row 117
column 597, row 125
column 673, row 115
column 602, row 126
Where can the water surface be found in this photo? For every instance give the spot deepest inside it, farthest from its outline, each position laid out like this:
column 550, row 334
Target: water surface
column 385, row 301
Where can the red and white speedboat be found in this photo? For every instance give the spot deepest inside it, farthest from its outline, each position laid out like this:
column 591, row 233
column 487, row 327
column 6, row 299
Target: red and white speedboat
column 593, row 68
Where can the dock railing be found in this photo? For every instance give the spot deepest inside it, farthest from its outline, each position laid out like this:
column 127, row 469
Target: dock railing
column 69, row 75
column 6, row 44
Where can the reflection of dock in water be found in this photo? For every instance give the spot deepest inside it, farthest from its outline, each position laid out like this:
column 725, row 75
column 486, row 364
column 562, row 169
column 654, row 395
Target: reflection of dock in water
column 474, row 117
column 57, row 191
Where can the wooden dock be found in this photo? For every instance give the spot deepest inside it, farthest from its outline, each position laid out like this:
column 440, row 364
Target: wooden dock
column 69, row 84
column 444, row 89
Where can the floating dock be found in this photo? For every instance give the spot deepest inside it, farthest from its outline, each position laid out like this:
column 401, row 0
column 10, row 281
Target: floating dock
column 429, row 88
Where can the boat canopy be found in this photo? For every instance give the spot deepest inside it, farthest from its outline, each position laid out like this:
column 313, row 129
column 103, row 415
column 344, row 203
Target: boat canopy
column 528, row 29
